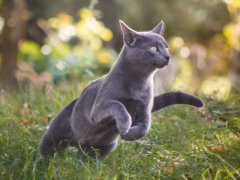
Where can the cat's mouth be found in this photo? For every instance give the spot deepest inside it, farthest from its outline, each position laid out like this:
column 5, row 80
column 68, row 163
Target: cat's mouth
column 161, row 64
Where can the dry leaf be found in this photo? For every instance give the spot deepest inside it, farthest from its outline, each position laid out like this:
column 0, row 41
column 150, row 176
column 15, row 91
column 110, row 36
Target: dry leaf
column 218, row 148
column 204, row 113
column 174, row 118
column 25, row 110
column 46, row 120
column 169, row 169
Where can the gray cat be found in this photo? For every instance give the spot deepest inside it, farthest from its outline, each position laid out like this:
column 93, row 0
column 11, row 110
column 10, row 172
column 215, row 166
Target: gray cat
column 119, row 103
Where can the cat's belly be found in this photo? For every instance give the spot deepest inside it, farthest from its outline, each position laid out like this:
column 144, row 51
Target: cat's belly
column 136, row 108
column 100, row 135
column 104, row 137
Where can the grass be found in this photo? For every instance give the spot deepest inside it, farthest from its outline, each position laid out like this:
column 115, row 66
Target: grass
column 183, row 143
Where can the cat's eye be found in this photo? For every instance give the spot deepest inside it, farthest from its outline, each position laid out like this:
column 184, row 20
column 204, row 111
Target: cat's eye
column 154, row 48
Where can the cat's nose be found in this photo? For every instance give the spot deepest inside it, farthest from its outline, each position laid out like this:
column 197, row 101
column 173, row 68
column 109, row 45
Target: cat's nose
column 167, row 58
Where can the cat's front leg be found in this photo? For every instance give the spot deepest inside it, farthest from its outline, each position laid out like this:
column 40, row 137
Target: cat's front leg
column 112, row 109
column 138, row 130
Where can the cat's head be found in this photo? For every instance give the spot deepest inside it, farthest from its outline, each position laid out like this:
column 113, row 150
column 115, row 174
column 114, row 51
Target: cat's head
column 146, row 48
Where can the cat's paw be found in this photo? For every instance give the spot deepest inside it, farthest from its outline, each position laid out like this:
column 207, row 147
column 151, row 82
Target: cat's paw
column 123, row 131
column 124, row 125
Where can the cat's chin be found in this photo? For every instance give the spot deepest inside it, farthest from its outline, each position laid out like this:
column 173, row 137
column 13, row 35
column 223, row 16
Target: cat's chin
column 161, row 65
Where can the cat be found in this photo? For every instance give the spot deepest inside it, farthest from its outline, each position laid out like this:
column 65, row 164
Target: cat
column 119, row 103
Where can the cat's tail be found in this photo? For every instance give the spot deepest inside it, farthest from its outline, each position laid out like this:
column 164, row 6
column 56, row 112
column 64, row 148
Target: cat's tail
column 171, row 98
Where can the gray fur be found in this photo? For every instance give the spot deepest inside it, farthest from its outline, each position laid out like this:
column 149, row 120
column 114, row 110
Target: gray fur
column 119, row 103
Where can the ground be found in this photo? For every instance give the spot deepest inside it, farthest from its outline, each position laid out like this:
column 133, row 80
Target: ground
column 183, row 143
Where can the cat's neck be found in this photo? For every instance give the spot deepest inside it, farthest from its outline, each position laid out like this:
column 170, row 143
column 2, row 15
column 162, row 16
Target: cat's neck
column 138, row 73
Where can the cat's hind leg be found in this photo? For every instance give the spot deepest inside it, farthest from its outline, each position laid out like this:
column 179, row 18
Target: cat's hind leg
column 59, row 133
column 57, row 138
column 49, row 145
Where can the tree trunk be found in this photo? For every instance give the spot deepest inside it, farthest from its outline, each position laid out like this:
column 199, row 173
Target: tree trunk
column 9, row 52
column 15, row 16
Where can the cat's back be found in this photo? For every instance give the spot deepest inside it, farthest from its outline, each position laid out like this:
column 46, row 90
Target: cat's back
column 92, row 87
column 83, row 106
column 89, row 94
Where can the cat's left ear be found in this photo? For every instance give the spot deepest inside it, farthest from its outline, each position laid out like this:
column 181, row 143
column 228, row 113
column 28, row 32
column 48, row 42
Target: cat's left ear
column 129, row 35
column 159, row 29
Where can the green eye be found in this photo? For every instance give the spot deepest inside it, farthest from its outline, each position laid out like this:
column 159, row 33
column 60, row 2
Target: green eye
column 154, row 48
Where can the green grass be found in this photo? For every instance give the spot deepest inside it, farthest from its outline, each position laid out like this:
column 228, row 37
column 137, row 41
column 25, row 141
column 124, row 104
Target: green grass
column 183, row 143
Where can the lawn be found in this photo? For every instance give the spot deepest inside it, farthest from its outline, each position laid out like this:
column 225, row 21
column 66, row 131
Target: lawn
column 183, row 143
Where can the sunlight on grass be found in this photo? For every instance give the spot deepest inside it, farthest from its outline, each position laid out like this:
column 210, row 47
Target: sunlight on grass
column 182, row 143
column 217, row 87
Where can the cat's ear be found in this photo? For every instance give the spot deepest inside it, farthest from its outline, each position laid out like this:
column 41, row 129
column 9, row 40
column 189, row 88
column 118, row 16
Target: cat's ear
column 159, row 29
column 129, row 35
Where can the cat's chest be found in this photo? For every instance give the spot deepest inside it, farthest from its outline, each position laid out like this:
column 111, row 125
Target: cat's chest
column 138, row 101
column 143, row 95
column 141, row 91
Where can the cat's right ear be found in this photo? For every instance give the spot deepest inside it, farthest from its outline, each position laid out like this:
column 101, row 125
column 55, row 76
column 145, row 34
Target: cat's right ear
column 159, row 29
column 129, row 35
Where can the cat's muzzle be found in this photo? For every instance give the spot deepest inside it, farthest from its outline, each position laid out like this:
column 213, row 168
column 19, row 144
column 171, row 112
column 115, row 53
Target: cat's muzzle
column 163, row 63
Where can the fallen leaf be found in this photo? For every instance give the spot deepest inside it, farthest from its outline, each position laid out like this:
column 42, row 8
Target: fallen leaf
column 218, row 148
column 174, row 118
column 169, row 169
column 204, row 113
column 25, row 110
column 46, row 120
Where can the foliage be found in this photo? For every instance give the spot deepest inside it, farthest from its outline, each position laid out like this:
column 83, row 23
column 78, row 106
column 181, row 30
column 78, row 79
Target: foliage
column 197, row 20
column 182, row 143
column 72, row 49
column 231, row 31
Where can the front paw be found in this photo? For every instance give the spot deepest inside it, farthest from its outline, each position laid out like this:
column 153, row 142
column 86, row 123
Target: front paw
column 123, row 130
column 124, row 126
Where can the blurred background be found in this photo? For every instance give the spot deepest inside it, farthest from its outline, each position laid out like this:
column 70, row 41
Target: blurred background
column 48, row 43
